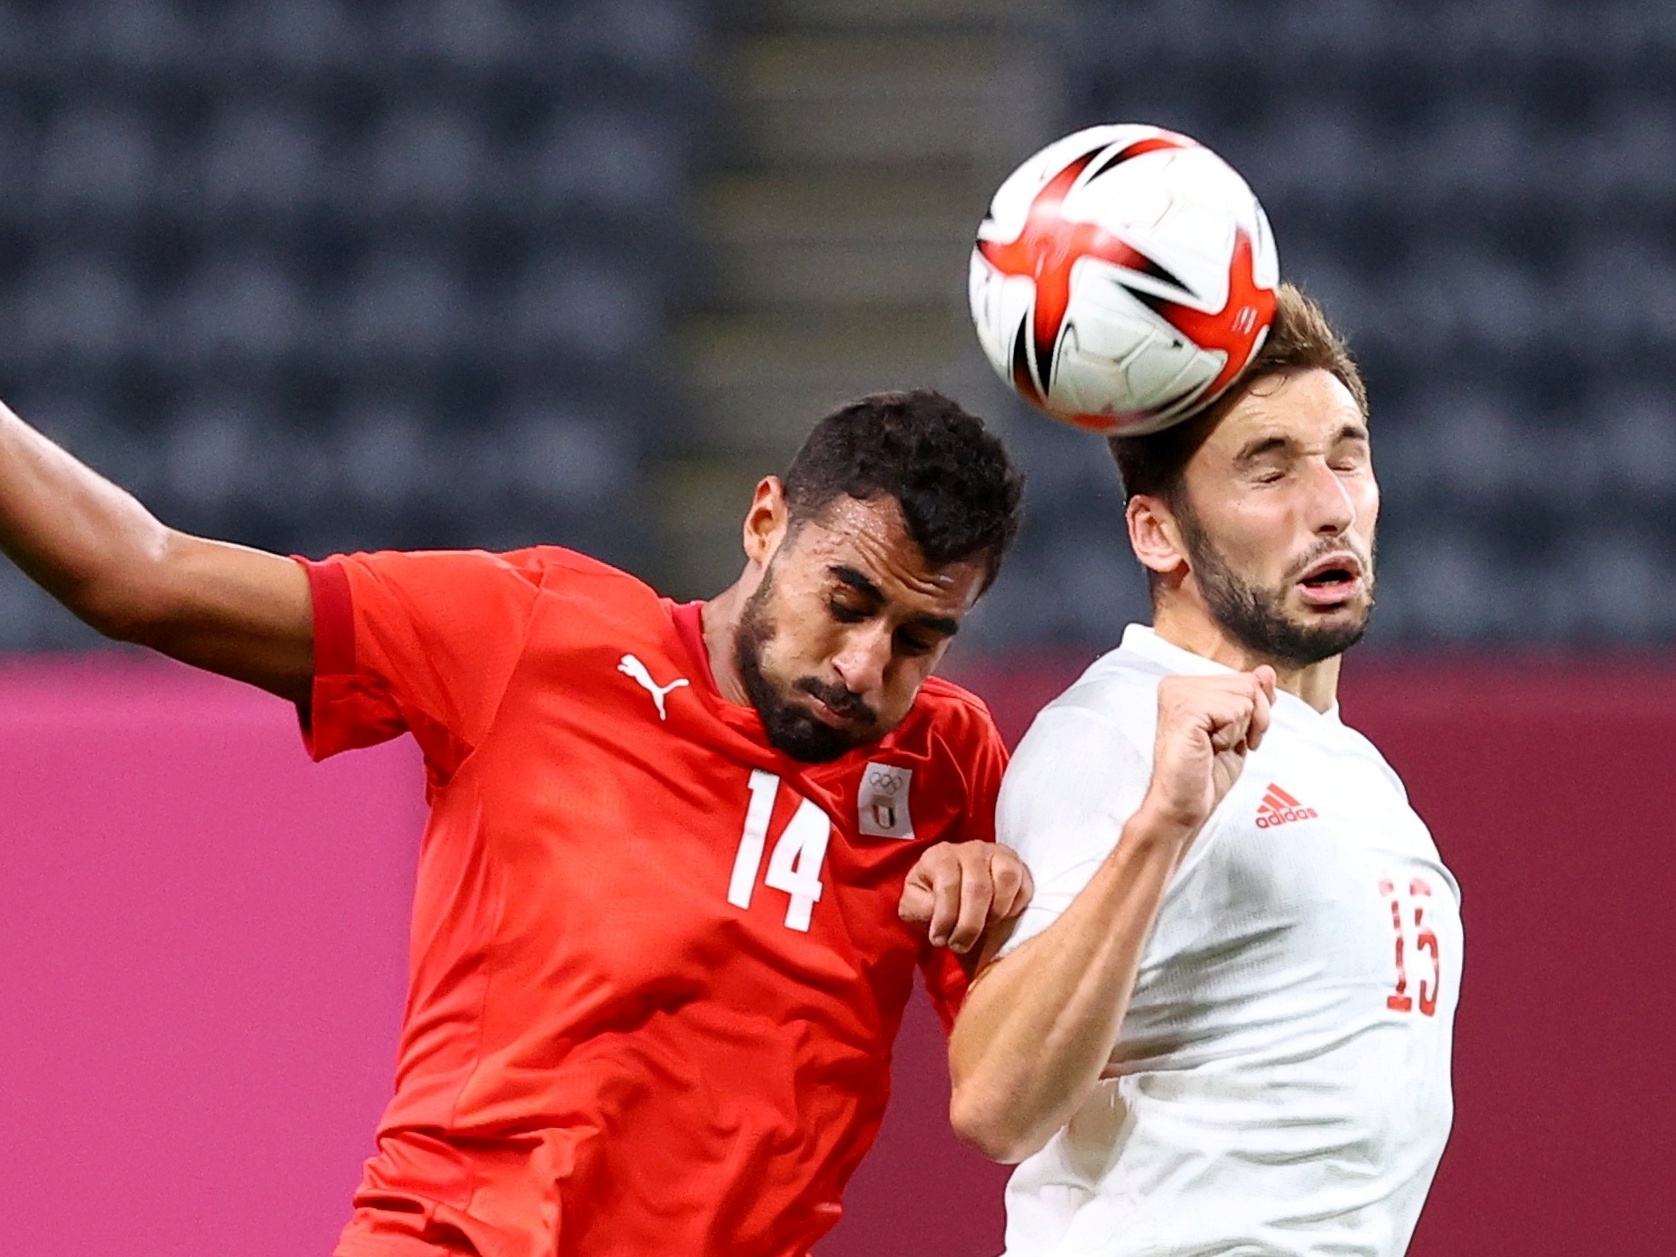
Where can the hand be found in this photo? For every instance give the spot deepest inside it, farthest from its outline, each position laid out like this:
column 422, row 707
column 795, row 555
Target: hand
column 1206, row 728
column 962, row 888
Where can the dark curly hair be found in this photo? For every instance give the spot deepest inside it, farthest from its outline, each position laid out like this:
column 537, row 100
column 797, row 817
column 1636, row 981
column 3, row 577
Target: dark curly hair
column 958, row 490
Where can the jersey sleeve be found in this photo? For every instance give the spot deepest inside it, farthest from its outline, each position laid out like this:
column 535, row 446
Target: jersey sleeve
column 1075, row 781
column 982, row 757
column 420, row 642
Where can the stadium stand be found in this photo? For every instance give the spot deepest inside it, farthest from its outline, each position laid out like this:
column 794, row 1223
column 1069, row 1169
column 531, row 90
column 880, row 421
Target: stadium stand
column 1482, row 195
column 321, row 274
column 325, row 273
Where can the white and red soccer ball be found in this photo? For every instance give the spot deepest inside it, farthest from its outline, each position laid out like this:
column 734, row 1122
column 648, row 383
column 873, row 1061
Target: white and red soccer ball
column 1124, row 276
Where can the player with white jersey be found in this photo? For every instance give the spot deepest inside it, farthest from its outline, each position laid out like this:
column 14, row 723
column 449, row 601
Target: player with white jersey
column 1222, row 1027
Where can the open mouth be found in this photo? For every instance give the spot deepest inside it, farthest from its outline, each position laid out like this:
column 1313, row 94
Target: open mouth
column 1331, row 581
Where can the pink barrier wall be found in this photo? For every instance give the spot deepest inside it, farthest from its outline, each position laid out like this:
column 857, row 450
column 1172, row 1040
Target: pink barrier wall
column 1549, row 791
column 202, row 948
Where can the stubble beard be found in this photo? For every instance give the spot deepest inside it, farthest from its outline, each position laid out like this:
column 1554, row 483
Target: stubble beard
column 790, row 729
column 1256, row 617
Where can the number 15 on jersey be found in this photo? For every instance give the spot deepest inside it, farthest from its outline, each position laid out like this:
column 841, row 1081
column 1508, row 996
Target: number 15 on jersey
column 795, row 865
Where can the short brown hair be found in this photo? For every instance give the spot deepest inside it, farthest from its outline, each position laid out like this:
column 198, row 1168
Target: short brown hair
column 1299, row 338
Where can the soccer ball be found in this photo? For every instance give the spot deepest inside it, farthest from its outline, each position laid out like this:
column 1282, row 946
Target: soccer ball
column 1124, row 276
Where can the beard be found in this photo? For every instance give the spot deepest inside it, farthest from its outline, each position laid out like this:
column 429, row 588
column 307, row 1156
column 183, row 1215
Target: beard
column 1256, row 617
column 790, row 728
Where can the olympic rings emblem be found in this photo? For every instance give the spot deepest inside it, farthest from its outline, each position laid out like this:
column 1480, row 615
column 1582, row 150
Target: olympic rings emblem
column 884, row 780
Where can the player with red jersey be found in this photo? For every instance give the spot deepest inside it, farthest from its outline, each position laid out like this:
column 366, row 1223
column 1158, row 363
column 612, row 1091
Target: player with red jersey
column 681, row 859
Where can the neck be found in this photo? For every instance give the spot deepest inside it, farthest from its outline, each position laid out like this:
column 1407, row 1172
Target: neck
column 1191, row 629
column 720, row 620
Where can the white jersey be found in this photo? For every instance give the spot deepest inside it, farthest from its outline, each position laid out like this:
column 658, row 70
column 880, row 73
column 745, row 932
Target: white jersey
column 1281, row 1082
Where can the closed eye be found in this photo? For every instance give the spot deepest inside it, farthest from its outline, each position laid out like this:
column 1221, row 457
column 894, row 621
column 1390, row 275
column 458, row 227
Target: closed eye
column 914, row 644
column 846, row 614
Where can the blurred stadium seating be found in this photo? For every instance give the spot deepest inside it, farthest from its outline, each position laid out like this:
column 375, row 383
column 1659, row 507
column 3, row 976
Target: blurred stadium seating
column 328, row 273
column 1485, row 196
column 324, row 273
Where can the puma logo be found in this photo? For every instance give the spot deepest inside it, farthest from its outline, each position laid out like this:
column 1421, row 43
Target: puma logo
column 636, row 672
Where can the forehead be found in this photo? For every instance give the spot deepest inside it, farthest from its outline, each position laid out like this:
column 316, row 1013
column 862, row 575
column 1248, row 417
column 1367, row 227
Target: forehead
column 871, row 537
column 1311, row 407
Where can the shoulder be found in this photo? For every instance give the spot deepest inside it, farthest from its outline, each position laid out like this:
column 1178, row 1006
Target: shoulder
column 574, row 581
column 945, row 712
column 1114, row 702
column 1355, row 743
column 951, row 724
column 548, row 564
column 466, row 591
column 1083, row 766
column 943, row 702
column 533, row 566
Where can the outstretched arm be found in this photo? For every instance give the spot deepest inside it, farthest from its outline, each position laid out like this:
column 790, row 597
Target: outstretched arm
column 1039, row 1025
column 240, row 612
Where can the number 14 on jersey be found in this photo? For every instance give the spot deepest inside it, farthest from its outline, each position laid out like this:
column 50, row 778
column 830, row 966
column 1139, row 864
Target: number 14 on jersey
column 795, row 865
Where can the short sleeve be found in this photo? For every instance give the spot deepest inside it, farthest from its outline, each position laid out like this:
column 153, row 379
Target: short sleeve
column 1075, row 781
column 421, row 642
column 982, row 759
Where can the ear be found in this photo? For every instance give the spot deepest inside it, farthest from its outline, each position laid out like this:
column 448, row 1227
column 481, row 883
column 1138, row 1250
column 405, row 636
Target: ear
column 766, row 521
column 1154, row 535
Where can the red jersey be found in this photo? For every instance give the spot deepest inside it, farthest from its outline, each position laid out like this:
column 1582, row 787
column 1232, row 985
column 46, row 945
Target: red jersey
column 656, row 964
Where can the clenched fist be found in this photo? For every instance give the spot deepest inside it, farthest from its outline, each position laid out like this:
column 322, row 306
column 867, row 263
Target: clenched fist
column 1207, row 725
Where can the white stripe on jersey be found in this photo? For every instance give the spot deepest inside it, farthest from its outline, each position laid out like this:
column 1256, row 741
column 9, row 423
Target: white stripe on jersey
column 1281, row 1083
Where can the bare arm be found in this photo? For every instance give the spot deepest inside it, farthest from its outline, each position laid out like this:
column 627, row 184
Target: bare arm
column 240, row 612
column 1039, row 1025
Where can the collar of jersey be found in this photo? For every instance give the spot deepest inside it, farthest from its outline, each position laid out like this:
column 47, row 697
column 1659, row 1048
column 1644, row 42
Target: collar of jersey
column 1143, row 640
column 687, row 619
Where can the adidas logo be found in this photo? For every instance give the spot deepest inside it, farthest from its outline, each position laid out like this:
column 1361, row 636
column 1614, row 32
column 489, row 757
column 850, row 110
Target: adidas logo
column 1278, row 808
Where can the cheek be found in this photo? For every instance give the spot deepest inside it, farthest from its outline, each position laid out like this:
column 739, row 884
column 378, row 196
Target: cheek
column 780, row 653
column 800, row 645
column 1258, row 536
column 1366, row 498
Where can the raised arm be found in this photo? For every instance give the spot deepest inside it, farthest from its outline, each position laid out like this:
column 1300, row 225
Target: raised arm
column 1040, row 1025
column 240, row 612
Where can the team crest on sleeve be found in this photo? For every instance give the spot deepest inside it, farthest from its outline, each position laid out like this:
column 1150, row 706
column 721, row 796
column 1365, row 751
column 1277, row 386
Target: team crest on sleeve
column 882, row 801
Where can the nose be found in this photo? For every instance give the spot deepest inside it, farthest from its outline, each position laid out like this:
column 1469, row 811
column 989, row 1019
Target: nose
column 1331, row 510
column 862, row 660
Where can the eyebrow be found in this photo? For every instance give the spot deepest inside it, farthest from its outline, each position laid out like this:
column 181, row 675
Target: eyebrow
column 1259, row 448
column 856, row 581
column 1274, row 444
